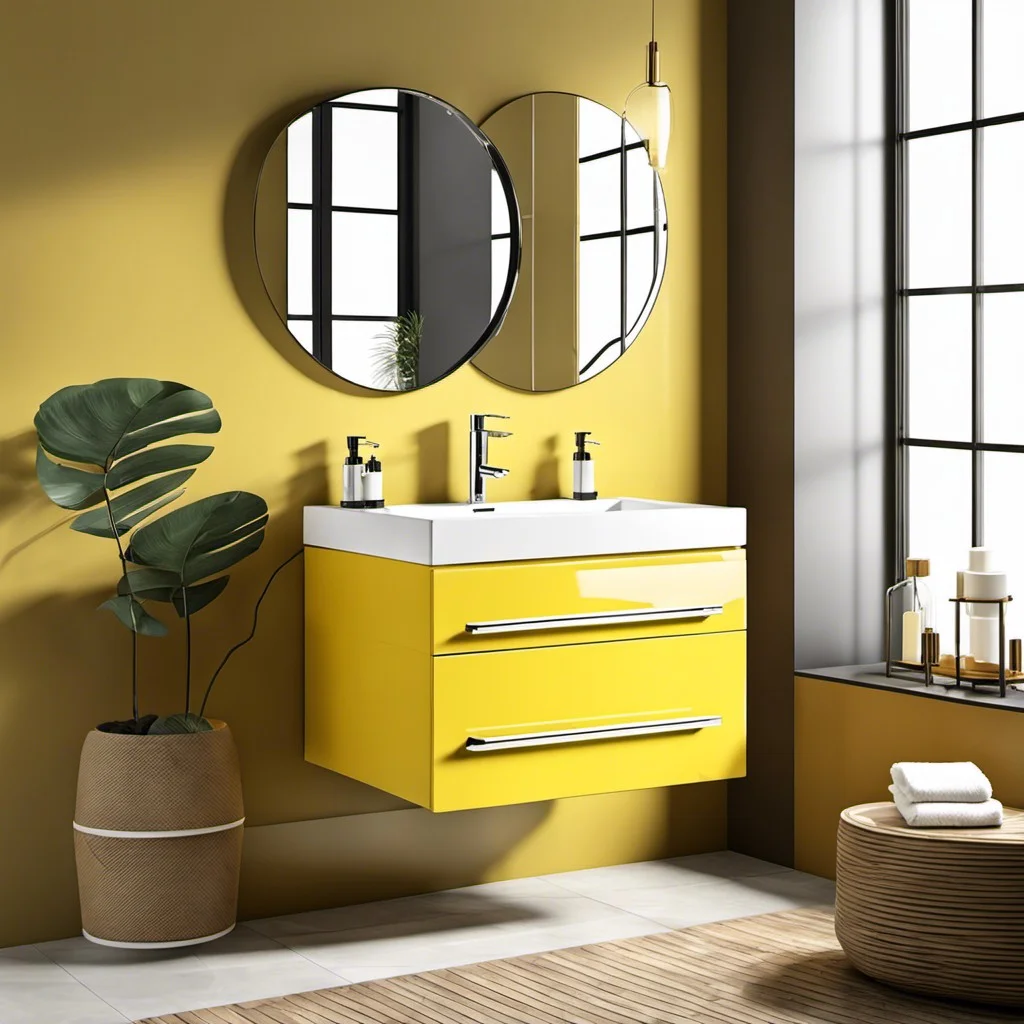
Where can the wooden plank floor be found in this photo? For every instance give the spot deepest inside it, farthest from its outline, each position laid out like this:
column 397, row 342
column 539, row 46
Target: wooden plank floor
column 784, row 968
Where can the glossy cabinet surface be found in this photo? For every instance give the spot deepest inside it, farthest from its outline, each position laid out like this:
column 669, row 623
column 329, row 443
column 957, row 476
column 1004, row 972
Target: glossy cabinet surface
column 583, row 589
column 568, row 690
column 471, row 686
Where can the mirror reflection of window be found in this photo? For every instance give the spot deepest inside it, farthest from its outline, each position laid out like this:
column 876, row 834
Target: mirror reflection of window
column 354, row 247
column 402, row 237
column 618, row 262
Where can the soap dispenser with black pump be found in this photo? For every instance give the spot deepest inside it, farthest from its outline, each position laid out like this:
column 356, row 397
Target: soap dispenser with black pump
column 353, row 472
column 373, row 484
column 583, row 486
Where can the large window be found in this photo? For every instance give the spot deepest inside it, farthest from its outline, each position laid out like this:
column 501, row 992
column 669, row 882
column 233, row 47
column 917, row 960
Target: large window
column 960, row 281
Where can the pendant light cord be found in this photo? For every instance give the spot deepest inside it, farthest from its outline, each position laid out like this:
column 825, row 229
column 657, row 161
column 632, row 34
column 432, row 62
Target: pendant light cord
column 653, row 35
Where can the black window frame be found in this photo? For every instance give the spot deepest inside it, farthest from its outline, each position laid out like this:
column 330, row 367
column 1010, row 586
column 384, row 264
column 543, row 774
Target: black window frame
column 322, row 209
column 622, row 233
column 905, row 441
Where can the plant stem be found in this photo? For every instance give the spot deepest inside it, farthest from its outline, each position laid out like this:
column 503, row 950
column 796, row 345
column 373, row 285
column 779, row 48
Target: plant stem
column 188, row 649
column 252, row 632
column 135, row 635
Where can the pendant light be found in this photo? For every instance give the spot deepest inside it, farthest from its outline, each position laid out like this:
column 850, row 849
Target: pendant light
column 649, row 106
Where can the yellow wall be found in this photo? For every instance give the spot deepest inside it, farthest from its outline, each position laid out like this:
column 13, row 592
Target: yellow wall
column 847, row 737
column 132, row 139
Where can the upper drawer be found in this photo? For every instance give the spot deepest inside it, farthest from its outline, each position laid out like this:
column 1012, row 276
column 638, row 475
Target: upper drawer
column 496, row 607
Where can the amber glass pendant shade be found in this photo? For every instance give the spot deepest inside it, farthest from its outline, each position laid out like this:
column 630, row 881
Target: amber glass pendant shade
column 649, row 106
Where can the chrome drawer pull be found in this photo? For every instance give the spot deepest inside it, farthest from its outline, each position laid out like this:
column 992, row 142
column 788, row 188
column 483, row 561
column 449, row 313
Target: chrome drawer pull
column 484, row 744
column 628, row 617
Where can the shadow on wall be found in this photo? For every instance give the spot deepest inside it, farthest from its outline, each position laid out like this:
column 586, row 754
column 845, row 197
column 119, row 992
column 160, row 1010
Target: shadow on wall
column 545, row 476
column 433, row 448
column 18, row 485
column 19, row 492
column 311, row 864
column 46, row 708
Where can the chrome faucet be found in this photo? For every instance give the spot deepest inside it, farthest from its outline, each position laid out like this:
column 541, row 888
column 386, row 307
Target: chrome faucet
column 479, row 469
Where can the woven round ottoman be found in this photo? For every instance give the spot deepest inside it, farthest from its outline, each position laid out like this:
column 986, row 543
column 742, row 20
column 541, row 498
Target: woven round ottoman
column 937, row 911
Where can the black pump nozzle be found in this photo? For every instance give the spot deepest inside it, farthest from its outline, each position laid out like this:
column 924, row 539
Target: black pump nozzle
column 354, row 441
column 353, row 449
column 581, row 454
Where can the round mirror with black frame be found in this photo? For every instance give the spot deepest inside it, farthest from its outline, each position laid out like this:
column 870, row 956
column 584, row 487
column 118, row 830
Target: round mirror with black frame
column 388, row 236
column 595, row 236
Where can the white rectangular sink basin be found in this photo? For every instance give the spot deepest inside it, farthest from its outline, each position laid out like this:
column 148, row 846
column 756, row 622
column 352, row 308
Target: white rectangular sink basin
column 512, row 531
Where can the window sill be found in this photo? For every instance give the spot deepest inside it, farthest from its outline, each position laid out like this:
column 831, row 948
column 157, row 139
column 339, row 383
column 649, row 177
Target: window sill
column 874, row 677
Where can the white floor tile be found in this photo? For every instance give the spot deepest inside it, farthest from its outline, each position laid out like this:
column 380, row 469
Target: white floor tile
column 34, row 990
column 657, row 874
column 146, row 983
column 417, row 912
column 684, row 906
column 464, row 933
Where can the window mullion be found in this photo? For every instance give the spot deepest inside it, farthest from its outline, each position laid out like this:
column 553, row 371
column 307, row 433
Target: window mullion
column 322, row 245
column 977, row 337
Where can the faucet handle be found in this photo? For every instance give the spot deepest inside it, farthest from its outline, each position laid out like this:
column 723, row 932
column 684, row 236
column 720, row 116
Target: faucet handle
column 476, row 419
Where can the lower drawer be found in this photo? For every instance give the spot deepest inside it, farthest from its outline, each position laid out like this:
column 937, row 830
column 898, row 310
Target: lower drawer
column 542, row 723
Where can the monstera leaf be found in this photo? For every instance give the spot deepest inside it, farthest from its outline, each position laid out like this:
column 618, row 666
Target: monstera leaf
column 108, row 430
column 131, row 614
column 177, row 553
column 179, row 723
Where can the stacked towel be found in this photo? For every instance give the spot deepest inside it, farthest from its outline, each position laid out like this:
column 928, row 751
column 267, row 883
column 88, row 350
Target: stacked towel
column 955, row 782
column 944, row 795
column 943, row 814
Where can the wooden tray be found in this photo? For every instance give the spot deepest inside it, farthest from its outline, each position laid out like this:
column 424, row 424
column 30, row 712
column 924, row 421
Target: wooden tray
column 972, row 671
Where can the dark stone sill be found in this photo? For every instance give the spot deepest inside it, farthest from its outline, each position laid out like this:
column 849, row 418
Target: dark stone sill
column 874, row 677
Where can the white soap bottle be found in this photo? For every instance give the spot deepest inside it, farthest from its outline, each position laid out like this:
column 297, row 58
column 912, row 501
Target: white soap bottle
column 373, row 484
column 583, row 486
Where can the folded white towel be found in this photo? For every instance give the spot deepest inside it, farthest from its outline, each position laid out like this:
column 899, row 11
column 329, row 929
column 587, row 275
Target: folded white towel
column 938, row 814
column 942, row 782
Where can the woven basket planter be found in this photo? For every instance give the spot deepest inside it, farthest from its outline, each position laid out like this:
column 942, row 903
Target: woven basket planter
column 158, row 837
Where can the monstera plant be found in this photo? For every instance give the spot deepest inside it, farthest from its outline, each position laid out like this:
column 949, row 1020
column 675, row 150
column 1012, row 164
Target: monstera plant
column 102, row 453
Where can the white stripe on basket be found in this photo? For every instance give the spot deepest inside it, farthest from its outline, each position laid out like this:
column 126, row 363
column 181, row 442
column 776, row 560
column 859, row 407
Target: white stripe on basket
column 156, row 945
column 112, row 833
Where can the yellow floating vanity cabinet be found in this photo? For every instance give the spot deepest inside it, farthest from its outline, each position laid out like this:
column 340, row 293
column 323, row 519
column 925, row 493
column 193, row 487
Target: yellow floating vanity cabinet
column 459, row 686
